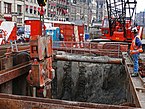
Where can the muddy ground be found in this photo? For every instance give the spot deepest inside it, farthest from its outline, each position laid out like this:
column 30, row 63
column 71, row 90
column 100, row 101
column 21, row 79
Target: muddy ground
column 87, row 82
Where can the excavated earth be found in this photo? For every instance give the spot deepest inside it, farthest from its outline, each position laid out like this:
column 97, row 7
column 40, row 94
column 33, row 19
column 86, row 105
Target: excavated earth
column 89, row 82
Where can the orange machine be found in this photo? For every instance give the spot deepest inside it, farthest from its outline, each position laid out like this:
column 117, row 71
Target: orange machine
column 41, row 54
column 40, row 75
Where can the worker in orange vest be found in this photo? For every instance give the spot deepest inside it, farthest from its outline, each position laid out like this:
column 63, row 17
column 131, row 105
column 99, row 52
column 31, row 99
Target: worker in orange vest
column 135, row 50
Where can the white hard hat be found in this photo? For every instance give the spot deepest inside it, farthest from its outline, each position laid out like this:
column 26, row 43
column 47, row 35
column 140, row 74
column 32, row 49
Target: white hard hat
column 134, row 30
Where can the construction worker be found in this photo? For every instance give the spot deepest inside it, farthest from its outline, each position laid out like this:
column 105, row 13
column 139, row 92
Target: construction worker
column 135, row 50
column 61, row 37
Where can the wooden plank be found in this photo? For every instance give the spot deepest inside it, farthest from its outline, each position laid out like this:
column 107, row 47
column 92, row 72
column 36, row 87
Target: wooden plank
column 18, row 70
column 25, row 102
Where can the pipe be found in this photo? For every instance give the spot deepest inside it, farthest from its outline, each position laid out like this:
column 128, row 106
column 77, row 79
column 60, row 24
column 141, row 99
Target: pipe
column 34, row 91
column 92, row 59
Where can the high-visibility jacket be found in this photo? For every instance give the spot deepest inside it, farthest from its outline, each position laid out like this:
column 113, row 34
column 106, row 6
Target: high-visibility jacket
column 134, row 49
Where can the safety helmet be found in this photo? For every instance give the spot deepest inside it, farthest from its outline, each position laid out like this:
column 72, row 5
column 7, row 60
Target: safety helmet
column 134, row 30
column 61, row 31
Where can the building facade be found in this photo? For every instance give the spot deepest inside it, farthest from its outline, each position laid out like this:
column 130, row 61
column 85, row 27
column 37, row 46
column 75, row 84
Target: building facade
column 93, row 11
column 19, row 10
column 101, row 10
column 62, row 10
column 57, row 10
column 140, row 18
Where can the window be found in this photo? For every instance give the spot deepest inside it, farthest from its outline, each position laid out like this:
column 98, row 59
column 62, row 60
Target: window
column 106, row 23
column 48, row 5
column 7, row 8
column 19, row 9
column 0, row 6
column 31, row 9
column 35, row 10
column 44, row 11
column 35, row 1
column 74, row 1
column 26, row 9
column 38, row 11
column 19, row 20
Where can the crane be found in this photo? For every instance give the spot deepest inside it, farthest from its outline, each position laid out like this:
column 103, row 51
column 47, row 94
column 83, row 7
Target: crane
column 119, row 21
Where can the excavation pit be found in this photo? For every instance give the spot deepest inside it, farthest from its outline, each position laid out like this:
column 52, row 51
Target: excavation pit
column 89, row 82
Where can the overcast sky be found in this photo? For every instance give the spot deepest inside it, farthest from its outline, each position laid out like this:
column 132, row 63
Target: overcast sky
column 140, row 5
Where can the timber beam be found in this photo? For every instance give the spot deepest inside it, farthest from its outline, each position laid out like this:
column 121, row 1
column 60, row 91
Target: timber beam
column 11, row 73
column 25, row 102
column 92, row 59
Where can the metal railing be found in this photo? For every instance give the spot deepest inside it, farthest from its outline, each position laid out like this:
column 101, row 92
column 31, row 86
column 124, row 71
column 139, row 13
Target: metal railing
column 101, row 49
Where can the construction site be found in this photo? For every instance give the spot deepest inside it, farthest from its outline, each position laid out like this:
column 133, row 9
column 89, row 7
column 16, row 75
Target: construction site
column 45, row 70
